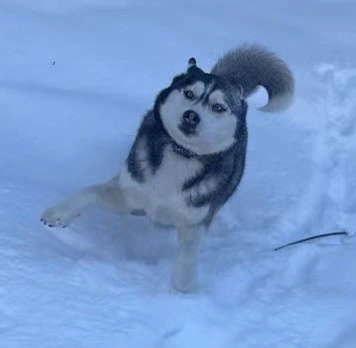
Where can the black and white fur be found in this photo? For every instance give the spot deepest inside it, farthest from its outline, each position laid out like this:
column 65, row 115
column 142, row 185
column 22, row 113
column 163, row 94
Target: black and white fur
column 189, row 154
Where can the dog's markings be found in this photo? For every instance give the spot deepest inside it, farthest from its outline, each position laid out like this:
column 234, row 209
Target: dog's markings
column 161, row 195
column 208, row 91
column 201, row 188
column 203, row 194
column 133, row 164
column 197, row 89
column 147, row 150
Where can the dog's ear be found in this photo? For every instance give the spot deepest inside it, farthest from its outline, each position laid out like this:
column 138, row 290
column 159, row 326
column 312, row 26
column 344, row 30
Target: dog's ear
column 191, row 62
column 192, row 67
column 194, row 70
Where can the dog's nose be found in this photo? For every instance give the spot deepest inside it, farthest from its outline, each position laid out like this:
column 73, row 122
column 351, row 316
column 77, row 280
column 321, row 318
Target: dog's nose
column 191, row 118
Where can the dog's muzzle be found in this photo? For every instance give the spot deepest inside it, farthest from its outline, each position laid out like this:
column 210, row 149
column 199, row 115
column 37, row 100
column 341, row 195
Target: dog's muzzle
column 189, row 123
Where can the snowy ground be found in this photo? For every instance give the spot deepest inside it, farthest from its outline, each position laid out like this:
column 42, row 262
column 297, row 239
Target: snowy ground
column 75, row 80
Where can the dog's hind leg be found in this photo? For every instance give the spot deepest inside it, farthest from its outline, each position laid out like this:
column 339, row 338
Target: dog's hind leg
column 184, row 275
column 109, row 194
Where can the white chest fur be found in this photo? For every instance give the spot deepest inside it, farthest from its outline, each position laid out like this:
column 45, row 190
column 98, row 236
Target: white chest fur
column 161, row 195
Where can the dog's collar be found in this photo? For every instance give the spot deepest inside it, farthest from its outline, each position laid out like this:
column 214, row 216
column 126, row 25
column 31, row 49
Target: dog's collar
column 180, row 150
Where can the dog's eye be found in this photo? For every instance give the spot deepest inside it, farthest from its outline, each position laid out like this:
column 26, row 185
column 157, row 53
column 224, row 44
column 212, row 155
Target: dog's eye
column 189, row 94
column 218, row 108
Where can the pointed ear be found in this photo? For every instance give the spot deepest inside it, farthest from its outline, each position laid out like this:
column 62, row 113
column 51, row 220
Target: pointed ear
column 191, row 62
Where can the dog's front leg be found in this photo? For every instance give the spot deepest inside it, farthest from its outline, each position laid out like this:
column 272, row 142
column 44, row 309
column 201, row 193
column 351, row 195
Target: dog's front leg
column 62, row 213
column 184, row 275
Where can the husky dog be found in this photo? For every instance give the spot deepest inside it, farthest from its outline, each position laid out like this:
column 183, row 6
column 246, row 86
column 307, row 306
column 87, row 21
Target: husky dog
column 189, row 154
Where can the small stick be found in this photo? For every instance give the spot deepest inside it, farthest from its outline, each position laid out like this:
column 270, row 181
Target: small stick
column 342, row 233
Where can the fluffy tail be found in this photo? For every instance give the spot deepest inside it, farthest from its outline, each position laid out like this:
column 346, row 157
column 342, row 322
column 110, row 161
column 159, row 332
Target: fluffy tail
column 250, row 66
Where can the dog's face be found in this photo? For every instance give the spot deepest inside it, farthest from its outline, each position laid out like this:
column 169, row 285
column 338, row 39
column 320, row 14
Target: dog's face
column 201, row 112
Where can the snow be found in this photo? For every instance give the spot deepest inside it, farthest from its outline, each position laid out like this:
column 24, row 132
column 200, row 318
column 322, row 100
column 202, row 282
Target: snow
column 75, row 80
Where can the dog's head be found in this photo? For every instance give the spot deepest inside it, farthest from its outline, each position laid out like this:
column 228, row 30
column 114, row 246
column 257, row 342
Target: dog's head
column 202, row 112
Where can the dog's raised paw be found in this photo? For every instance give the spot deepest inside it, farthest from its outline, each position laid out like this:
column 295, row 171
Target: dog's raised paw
column 60, row 215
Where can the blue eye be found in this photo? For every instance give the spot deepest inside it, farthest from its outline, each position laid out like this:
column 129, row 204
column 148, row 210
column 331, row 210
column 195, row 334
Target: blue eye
column 189, row 94
column 218, row 108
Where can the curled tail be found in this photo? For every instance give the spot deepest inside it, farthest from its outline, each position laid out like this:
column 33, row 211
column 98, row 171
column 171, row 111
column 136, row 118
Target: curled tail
column 250, row 66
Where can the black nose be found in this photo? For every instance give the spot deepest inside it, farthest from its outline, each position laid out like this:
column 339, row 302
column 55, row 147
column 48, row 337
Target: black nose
column 191, row 119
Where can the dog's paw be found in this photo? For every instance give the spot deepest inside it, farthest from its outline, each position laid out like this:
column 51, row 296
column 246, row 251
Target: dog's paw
column 183, row 278
column 59, row 215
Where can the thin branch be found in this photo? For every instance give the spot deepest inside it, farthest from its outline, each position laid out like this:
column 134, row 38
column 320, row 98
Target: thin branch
column 342, row 233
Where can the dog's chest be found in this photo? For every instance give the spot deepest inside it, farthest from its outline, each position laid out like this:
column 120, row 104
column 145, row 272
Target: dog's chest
column 174, row 171
column 161, row 194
